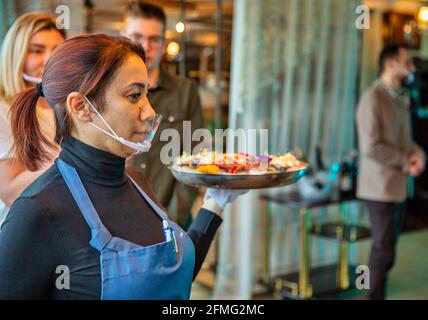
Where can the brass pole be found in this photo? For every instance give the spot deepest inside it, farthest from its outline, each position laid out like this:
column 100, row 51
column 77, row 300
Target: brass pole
column 305, row 288
column 266, row 264
column 343, row 271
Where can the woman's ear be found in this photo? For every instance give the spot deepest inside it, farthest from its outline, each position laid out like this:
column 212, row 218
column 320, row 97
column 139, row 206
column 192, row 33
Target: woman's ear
column 78, row 107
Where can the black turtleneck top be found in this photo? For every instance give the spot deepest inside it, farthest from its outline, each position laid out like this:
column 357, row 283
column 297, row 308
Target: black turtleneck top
column 45, row 229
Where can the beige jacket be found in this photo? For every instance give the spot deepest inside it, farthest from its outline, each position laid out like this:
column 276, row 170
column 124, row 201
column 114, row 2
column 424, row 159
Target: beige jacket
column 385, row 144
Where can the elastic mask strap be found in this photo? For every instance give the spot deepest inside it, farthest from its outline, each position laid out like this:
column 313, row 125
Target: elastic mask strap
column 31, row 78
column 106, row 132
column 113, row 135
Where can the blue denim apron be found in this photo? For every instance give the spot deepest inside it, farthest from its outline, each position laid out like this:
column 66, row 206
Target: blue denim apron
column 130, row 271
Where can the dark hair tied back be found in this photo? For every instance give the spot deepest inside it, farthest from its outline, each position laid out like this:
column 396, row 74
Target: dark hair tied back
column 39, row 90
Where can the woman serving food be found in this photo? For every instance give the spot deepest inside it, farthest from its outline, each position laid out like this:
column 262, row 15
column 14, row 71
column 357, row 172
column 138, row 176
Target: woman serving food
column 86, row 214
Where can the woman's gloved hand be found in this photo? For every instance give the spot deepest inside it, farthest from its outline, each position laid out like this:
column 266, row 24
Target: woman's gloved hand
column 223, row 196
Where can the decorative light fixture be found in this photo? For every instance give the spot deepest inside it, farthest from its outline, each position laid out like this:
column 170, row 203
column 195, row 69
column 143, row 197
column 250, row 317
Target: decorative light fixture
column 173, row 49
column 179, row 27
column 423, row 17
column 407, row 28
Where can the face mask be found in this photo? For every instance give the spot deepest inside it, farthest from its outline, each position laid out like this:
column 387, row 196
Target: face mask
column 31, row 78
column 410, row 78
column 151, row 124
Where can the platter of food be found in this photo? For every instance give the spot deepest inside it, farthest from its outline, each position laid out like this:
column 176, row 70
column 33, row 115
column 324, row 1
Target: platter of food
column 237, row 170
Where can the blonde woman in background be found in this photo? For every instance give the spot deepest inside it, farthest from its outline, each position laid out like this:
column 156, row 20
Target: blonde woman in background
column 24, row 52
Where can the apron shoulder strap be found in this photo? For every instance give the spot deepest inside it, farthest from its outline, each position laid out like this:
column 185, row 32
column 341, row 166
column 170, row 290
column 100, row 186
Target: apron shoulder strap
column 155, row 207
column 100, row 235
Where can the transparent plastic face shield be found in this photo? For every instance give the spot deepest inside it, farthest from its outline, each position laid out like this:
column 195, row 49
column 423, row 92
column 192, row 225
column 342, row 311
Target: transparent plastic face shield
column 151, row 126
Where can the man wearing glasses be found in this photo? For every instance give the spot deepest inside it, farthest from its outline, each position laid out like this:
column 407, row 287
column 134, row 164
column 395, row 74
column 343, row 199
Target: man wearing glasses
column 174, row 97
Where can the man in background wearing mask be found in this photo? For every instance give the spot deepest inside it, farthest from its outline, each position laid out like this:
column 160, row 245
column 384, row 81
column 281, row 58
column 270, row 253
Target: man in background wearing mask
column 387, row 157
column 175, row 98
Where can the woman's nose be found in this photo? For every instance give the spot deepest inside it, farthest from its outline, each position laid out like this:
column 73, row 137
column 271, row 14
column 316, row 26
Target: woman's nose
column 147, row 112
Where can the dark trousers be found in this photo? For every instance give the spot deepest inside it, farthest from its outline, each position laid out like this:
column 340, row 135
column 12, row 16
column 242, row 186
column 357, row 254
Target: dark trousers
column 386, row 219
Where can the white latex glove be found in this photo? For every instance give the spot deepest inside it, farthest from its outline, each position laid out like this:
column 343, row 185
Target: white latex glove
column 223, row 196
